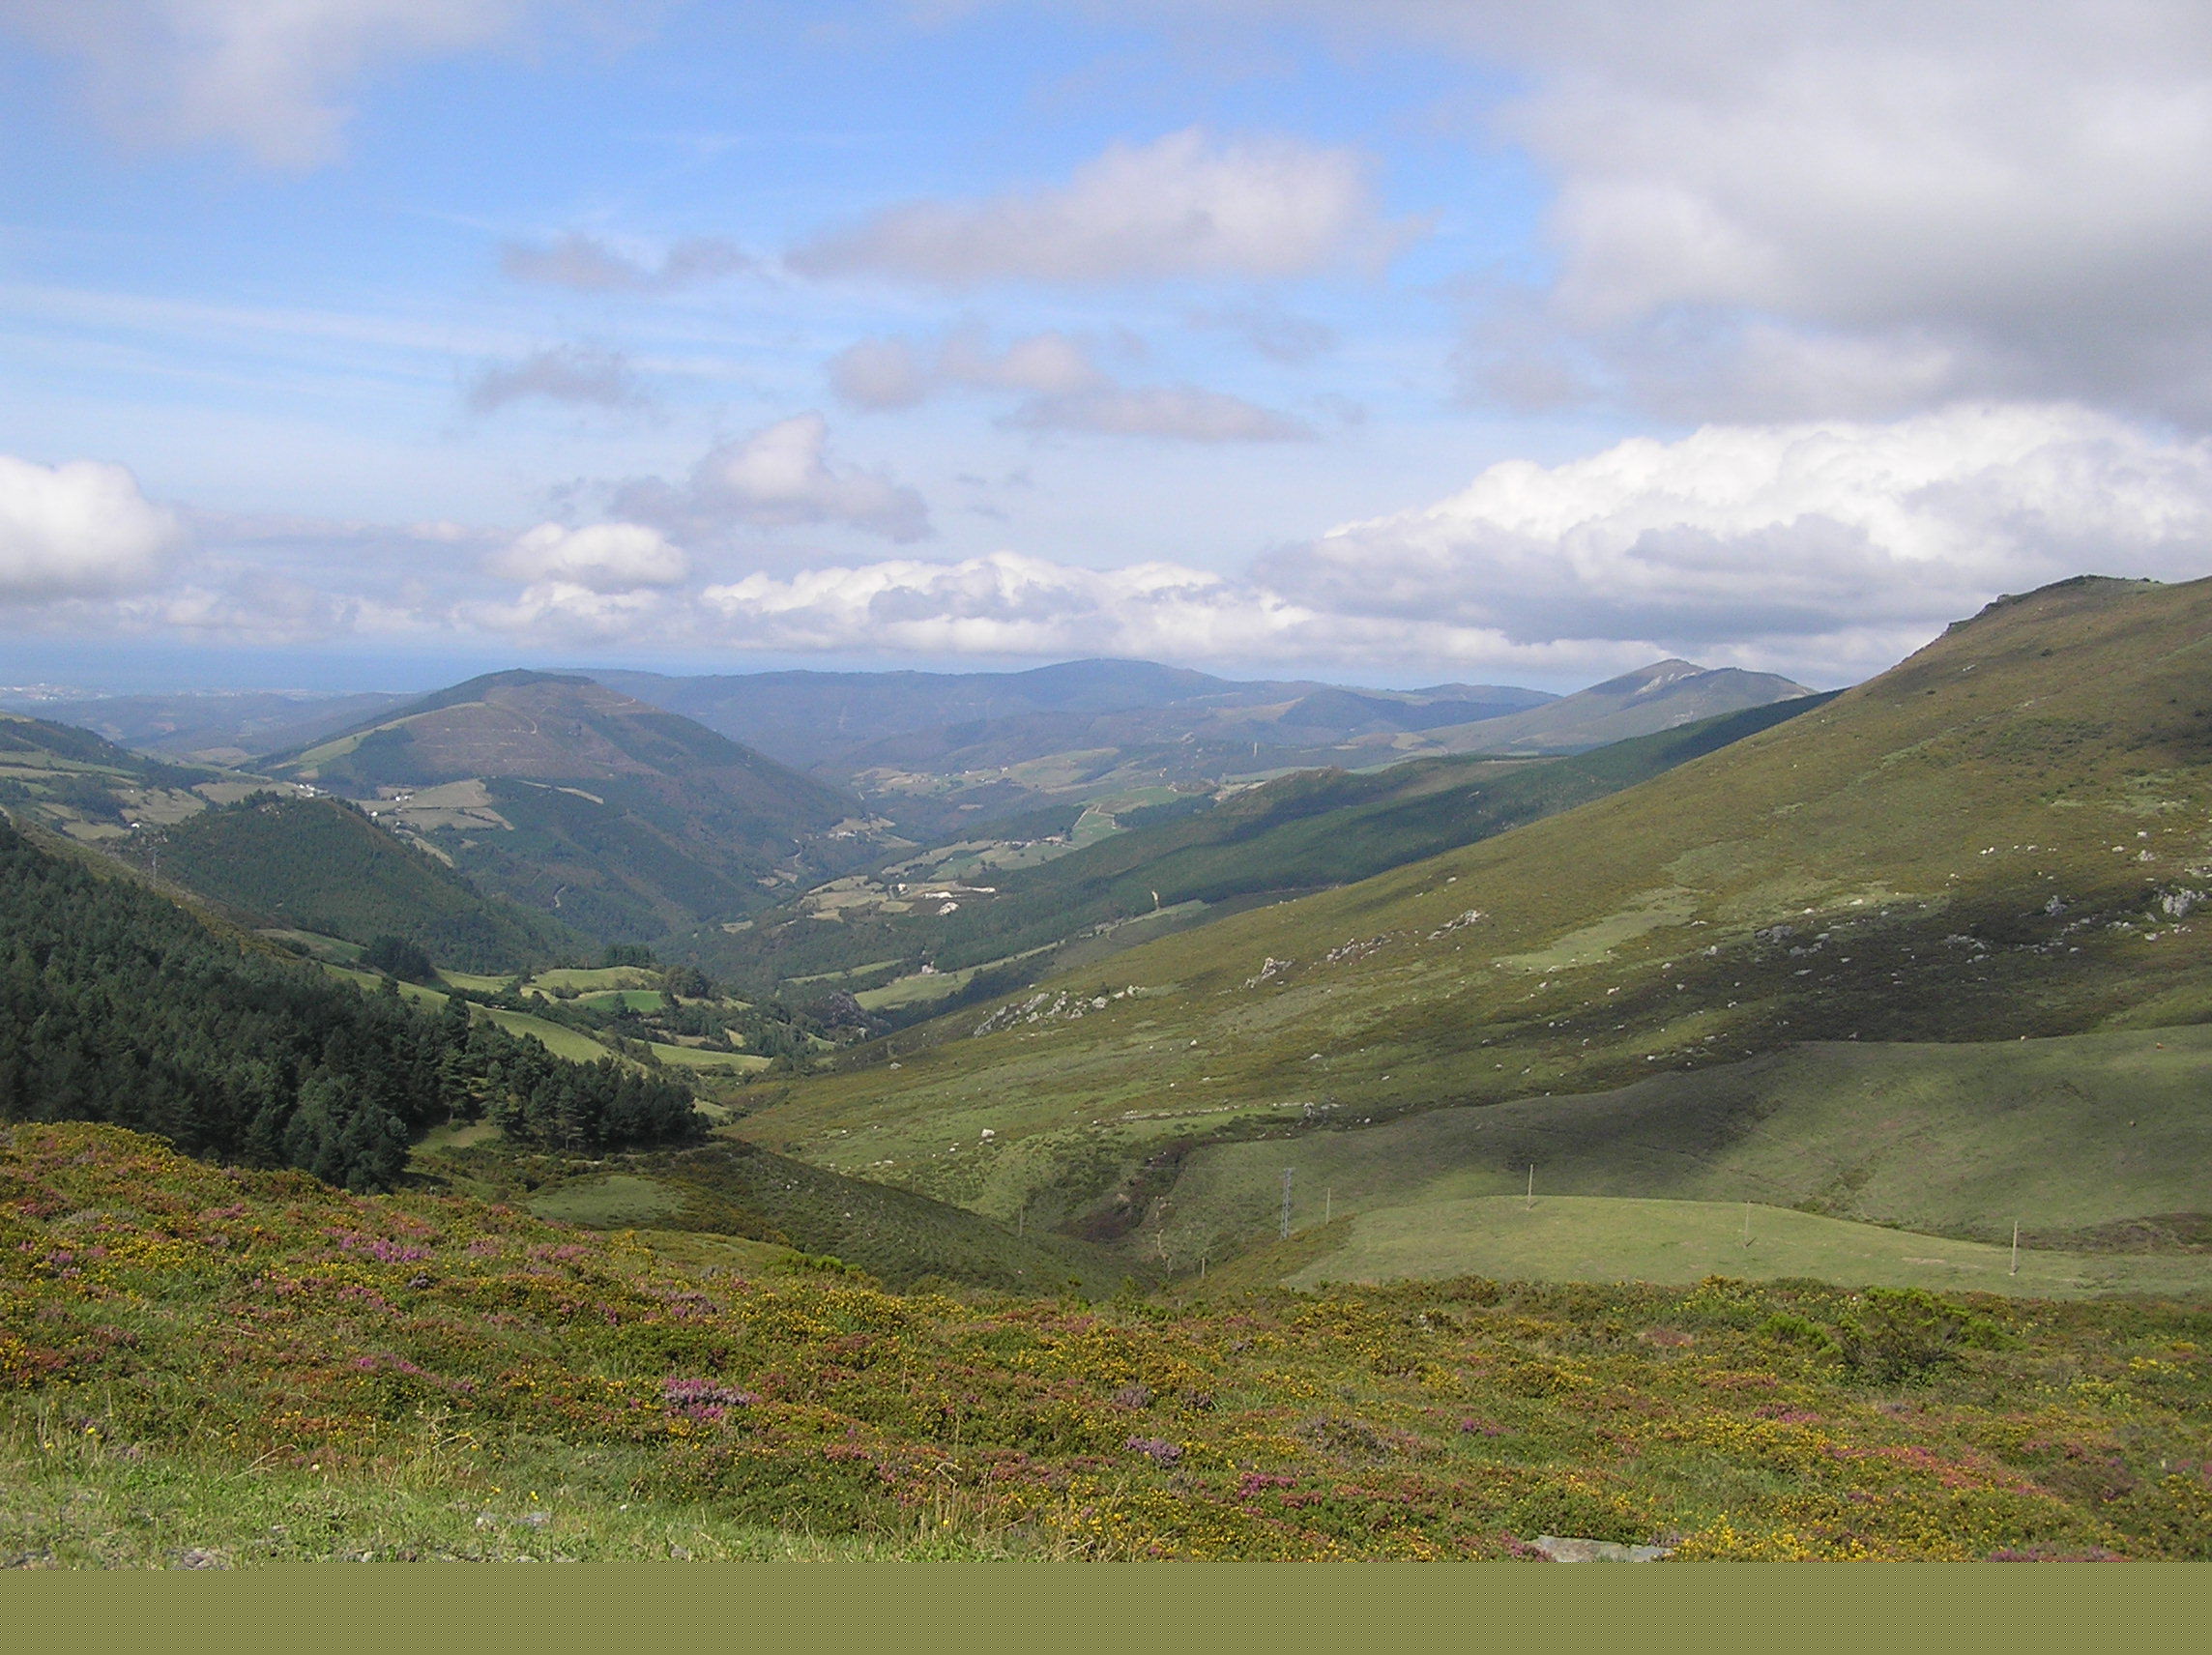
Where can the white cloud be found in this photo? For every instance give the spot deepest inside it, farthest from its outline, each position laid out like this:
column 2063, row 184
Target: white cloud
column 589, row 265
column 1068, row 391
column 77, row 530
column 579, row 375
column 270, row 76
column 1777, row 537
column 600, row 557
column 1982, row 198
column 1181, row 205
column 780, row 476
column 1003, row 604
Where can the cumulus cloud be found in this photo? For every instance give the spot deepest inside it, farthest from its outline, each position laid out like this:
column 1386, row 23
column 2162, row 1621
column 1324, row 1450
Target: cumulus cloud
column 780, row 476
column 1003, row 604
column 1185, row 205
column 270, row 77
column 77, row 530
column 1777, row 534
column 600, row 557
column 584, row 375
column 588, row 265
column 1068, row 391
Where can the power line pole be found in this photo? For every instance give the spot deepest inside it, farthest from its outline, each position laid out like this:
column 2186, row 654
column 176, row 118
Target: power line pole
column 2016, row 1247
column 1532, row 1206
column 1286, row 1231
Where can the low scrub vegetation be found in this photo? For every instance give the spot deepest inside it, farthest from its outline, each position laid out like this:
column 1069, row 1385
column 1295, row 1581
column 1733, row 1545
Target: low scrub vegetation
column 219, row 1366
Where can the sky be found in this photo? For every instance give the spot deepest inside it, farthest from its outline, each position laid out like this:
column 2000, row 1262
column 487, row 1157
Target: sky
column 370, row 344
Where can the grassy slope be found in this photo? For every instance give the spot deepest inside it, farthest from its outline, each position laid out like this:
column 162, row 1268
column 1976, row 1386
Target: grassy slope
column 1300, row 833
column 212, row 1367
column 2071, row 1137
column 319, row 865
column 1912, row 834
column 1585, row 1238
column 733, row 1189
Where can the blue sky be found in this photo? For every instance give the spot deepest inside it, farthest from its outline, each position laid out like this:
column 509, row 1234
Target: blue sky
column 371, row 341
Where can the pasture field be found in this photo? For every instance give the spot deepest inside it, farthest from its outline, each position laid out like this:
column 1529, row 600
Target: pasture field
column 1596, row 1239
column 700, row 1057
column 218, row 1366
column 2077, row 1138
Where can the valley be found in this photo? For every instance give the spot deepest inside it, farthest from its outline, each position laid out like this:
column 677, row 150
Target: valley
column 1832, row 1048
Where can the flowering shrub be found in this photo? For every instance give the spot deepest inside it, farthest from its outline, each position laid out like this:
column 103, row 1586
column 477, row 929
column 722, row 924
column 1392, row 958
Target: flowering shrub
column 167, row 1304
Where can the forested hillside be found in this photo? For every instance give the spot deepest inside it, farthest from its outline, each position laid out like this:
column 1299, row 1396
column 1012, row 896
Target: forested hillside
column 116, row 1005
column 321, row 866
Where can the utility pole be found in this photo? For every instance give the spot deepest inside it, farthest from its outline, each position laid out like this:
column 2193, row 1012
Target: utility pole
column 1531, row 1206
column 1747, row 1224
column 1286, row 1230
column 1328, row 1203
column 2016, row 1247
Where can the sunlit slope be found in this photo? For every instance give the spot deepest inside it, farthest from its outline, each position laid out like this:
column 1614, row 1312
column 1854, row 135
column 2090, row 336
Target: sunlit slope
column 1994, row 838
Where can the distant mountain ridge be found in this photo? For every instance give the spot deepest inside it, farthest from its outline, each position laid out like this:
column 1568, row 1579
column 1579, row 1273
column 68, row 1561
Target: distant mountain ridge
column 818, row 719
column 1641, row 703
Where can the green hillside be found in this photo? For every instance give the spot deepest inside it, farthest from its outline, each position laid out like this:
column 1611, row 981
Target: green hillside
column 622, row 821
column 2098, row 1142
column 2002, row 836
column 731, row 1188
column 1584, row 1239
column 1302, row 832
column 214, row 1367
column 320, row 866
column 82, row 785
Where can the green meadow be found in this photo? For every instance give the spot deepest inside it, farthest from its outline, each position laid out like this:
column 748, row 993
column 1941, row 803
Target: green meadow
column 1593, row 1238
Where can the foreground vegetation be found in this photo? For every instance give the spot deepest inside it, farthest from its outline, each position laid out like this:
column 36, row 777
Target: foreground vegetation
column 212, row 1366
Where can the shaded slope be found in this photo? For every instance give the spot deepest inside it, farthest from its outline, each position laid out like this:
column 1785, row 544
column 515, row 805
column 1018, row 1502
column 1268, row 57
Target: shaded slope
column 2086, row 1140
column 320, row 865
column 727, row 1188
column 623, row 820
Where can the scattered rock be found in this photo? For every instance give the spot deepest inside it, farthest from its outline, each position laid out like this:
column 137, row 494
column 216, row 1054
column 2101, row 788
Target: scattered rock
column 1573, row 1548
